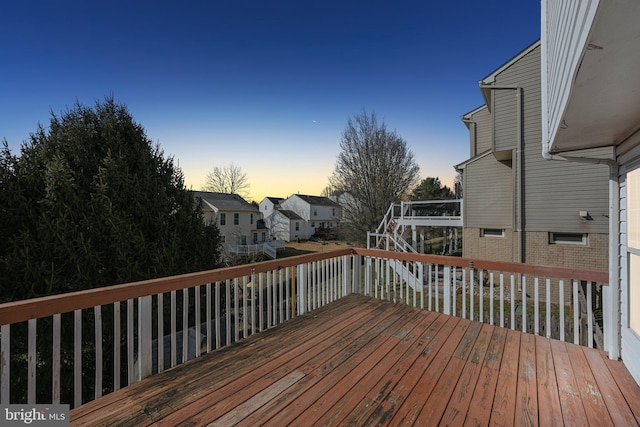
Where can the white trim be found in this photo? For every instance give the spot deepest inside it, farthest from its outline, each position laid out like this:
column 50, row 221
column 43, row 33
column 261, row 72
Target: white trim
column 554, row 240
column 630, row 341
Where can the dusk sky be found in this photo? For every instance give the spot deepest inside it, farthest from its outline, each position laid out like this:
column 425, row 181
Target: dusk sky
column 266, row 85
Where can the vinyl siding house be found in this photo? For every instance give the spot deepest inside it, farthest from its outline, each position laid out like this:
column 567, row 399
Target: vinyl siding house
column 591, row 101
column 287, row 225
column 320, row 213
column 240, row 222
column 269, row 204
column 517, row 206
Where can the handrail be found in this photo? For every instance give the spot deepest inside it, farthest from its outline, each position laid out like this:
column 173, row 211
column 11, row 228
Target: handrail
column 20, row 311
column 35, row 308
column 514, row 267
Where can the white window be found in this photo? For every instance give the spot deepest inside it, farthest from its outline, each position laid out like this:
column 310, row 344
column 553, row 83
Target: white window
column 568, row 238
column 492, row 232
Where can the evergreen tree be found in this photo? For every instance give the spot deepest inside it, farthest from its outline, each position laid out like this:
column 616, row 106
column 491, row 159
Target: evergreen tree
column 91, row 201
column 432, row 189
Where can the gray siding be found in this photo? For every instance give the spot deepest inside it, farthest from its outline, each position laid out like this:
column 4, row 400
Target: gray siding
column 554, row 191
column 524, row 73
column 482, row 120
column 488, row 194
column 504, row 112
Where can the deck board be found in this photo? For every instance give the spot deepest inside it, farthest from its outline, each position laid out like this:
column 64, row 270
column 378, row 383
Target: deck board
column 360, row 361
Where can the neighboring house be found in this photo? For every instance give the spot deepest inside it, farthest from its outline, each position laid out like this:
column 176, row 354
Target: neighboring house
column 321, row 213
column 239, row 221
column 591, row 99
column 517, row 206
column 287, row 225
column 269, row 204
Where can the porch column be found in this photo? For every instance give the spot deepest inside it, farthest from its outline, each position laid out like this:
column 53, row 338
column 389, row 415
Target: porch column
column 611, row 293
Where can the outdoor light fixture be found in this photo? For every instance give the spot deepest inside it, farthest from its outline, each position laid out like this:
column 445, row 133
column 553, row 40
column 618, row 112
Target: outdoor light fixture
column 585, row 215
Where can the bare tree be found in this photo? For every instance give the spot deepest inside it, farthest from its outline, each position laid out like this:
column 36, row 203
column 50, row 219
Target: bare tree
column 374, row 168
column 230, row 179
column 458, row 185
column 327, row 191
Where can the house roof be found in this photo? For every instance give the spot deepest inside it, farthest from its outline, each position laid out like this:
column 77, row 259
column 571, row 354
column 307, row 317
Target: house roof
column 466, row 118
column 459, row 167
column 224, row 201
column 317, row 200
column 289, row 214
column 491, row 78
column 275, row 200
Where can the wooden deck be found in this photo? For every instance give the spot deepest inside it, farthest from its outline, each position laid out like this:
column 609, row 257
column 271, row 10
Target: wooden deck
column 360, row 361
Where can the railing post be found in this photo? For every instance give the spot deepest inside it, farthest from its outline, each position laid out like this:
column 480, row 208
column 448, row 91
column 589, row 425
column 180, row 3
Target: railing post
column 145, row 334
column 447, row 290
column 302, row 294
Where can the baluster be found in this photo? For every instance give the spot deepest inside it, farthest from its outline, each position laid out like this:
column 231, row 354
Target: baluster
column 561, row 298
column 160, row 346
column 97, row 314
column 209, row 319
column 77, row 358
column 174, row 333
column 576, row 312
column 31, row 362
column 55, row 383
column 185, row 325
column 116, row 346
column 589, row 315
column 524, row 303
column 548, row 314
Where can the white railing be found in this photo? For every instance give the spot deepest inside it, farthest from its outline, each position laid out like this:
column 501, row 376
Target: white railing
column 268, row 248
column 560, row 303
column 269, row 251
column 76, row 347
column 421, row 213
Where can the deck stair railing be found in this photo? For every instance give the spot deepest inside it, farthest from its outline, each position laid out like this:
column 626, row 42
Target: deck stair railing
column 76, row 347
column 402, row 217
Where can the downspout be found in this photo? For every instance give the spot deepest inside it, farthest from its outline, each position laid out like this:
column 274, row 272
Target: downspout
column 519, row 202
column 612, row 292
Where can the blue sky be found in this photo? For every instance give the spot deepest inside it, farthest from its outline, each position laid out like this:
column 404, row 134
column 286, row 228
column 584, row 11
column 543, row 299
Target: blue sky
column 266, row 85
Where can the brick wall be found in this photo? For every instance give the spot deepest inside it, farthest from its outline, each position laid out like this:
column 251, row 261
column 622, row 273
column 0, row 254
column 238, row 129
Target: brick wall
column 593, row 255
column 489, row 247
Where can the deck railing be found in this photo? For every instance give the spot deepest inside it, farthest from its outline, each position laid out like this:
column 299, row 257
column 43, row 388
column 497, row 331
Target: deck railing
column 76, row 347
